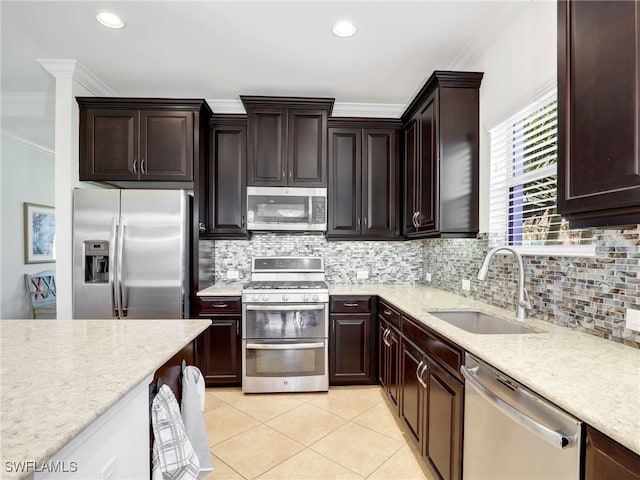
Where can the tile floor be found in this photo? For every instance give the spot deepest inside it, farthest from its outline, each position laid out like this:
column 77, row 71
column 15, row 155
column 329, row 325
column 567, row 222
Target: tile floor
column 347, row 433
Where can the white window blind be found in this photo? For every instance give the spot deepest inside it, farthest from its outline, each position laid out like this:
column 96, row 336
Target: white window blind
column 522, row 208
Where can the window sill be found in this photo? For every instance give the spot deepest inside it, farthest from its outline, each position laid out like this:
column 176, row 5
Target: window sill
column 588, row 251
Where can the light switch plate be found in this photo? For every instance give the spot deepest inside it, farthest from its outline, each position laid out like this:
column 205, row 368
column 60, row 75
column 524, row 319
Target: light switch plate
column 233, row 275
column 632, row 319
column 466, row 284
column 362, row 274
column 427, row 276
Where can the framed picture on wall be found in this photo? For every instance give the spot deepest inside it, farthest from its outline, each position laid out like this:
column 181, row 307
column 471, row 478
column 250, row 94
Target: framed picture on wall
column 39, row 233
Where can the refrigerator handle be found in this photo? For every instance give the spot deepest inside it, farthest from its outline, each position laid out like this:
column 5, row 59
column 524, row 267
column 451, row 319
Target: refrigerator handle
column 115, row 310
column 120, row 273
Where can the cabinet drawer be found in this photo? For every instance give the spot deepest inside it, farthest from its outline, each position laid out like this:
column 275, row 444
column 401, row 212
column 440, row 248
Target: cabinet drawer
column 218, row 305
column 389, row 314
column 447, row 354
column 350, row 305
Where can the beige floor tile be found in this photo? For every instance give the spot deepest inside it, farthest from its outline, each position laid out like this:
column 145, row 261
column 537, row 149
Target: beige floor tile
column 211, row 402
column 225, row 422
column 222, row 471
column 252, row 453
column 309, row 465
column 357, row 448
column 306, row 423
column 265, row 406
column 381, row 420
column 402, row 465
column 227, row 395
column 349, row 402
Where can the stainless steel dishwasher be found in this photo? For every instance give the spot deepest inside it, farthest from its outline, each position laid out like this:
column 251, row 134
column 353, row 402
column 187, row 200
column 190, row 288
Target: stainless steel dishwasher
column 512, row 433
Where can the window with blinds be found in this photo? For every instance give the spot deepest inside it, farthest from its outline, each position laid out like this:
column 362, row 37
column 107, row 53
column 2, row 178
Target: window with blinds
column 522, row 208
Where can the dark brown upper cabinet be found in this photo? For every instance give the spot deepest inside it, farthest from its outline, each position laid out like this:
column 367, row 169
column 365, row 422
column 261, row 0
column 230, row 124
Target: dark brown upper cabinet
column 441, row 144
column 598, row 123
column 136, row 139
column 287, row 141
column 222, row 193
column 364, row 166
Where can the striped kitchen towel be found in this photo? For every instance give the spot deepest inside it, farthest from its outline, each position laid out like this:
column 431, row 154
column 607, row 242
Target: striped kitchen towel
column 173, row 455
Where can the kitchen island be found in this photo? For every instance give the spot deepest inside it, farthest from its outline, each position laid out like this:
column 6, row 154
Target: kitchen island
column 61, row 378
column 596, row 380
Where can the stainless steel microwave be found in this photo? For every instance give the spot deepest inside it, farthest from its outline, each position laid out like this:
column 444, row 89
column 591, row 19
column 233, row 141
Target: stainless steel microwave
column 286, row 208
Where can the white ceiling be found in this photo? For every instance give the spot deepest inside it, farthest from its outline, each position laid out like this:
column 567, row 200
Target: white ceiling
column 218, row 50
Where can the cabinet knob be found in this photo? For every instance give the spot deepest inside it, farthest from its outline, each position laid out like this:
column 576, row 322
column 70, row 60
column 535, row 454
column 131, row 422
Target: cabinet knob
column 202, row 227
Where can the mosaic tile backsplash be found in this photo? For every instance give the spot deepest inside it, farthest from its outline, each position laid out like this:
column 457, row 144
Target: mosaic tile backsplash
column 587, row 294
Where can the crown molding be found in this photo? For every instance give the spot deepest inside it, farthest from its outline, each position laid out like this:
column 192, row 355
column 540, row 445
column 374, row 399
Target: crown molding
column 29, row 144
column 79, row 73
column 340, row 109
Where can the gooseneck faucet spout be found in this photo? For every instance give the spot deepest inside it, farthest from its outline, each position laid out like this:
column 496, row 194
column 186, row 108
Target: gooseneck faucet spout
column 524, row 302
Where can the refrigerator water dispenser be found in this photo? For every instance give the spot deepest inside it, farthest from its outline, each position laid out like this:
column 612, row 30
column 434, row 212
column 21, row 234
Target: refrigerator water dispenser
column 96, row 261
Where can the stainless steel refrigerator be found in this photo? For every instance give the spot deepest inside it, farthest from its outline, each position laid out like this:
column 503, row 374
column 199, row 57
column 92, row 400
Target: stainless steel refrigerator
column 131, row 253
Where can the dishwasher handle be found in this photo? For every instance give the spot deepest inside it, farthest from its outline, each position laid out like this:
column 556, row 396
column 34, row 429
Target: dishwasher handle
column 553, row 437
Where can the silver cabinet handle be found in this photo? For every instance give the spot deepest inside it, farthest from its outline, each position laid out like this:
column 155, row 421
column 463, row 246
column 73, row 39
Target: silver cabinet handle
column 135, row 166
column 553, row 437
column 419, row 372
column 202, row 227
column 291, row 173
column 421, row 376
column 358, row 222
column 387, row 312
column 219, row 305
column 351, row 304
column 284, row 174
column 237, row 328
column 142, row 170
column 385, row 337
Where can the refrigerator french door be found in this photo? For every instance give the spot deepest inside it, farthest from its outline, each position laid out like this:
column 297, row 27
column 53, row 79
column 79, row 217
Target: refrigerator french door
column 130, row 253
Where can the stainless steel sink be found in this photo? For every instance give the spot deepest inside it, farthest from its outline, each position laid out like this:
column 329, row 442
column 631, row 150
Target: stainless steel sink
column 478, row 322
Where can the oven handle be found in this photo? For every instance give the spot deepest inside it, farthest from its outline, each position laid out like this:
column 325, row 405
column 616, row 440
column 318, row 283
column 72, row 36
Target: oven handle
column 289, row 307
column 284, row 346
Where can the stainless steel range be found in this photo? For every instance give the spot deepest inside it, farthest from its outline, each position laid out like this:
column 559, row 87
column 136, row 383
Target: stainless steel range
column 285, row 325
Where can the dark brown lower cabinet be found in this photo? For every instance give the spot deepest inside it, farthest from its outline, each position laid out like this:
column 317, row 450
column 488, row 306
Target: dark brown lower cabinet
column 607, row 459
column 218, row 349
column 352, row 342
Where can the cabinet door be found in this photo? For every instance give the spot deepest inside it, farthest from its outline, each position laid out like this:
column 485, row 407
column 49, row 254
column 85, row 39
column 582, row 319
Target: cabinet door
column 443, row 437
column 166, row 145
column 427, row 186
column 598, row 127
column 266, row 147
column 225, row 190
column 351, row 350
column 605, row 458
column 109, row 144
column 345, row 196
column 219, row 352
column 410, row 176
column 379, row 177
column 388, row 363
column 412, row 399
column 307, row 148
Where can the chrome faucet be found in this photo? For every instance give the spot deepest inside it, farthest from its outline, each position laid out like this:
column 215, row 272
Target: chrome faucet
column 524, row 302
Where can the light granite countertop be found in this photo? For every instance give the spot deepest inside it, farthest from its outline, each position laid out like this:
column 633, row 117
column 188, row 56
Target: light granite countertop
column 594, row 379
column 58, row 376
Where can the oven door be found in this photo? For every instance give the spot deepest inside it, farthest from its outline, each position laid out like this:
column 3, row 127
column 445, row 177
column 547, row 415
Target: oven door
column 285, row 366
column 281, row 321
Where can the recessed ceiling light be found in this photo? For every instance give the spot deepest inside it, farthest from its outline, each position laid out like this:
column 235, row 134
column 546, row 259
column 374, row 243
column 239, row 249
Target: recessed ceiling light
column 344, row 28
column 110, row 20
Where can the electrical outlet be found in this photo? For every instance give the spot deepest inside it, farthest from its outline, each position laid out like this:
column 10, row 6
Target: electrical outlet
column 362, row 274
column 233, row 275
column 632, row 319
column 466, row 284
column 427, row 277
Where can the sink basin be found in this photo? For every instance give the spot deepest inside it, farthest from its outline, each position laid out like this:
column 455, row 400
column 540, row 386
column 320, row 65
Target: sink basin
column 478, row 322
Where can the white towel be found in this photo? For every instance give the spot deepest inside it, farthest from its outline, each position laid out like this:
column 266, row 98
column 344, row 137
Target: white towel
column 192, row 407
column 173, row 455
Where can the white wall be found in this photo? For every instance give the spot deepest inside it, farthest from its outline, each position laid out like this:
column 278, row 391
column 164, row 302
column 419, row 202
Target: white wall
column 27, row 175
column 519, row 66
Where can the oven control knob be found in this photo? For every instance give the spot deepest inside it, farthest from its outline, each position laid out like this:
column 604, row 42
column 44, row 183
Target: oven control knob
column 265, row 298
column 255, row 298
column 316, row 298
column 305, row 298
column 285, row 297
